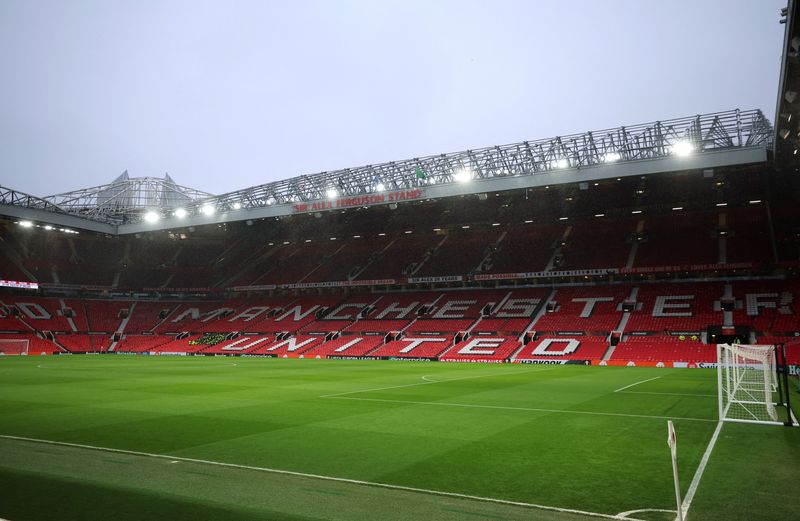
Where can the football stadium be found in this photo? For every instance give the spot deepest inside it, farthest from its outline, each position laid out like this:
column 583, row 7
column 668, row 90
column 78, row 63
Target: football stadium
column 603, row 325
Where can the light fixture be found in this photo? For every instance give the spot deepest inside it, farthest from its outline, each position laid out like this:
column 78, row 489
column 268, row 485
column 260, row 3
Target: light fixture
column 562, row 163
column 407, row 232
column 463, row 175
column 528, row 221
column 208, row 209
column 634, row 212
column 465, row 227
column 237, row 205
column 612, row 157
column 563, row 218
column 380, row 187
column 333, row 238
column 331, row 193
column 784, row 133
column 381, row 234
column 495, row 224
column 755, row 201
column 676, row 208
column 48, row 227
column 722, row 204
column 599, row 215
column 356, row 236
column 682, row 148
column 26, row 224
column 152, row 216
column 308, row 240
column 180, row 213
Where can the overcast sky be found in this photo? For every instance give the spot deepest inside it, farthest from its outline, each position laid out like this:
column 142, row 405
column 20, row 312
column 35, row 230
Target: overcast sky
column 229, row 94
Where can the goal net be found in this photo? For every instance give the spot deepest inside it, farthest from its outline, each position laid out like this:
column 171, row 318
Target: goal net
column 748, row 383
column 14, row 346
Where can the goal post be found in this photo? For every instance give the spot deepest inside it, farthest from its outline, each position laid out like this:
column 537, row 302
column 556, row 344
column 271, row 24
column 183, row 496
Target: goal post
column 752, row 385
column 14, row 346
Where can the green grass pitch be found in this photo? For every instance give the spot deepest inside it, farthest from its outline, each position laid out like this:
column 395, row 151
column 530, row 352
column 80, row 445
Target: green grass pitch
column 202, row 438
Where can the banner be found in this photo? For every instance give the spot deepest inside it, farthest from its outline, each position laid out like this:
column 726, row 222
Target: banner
column 359, row 200
column 339, row 284
column 449, row 278
column 548, row 274
column 18, row 284
column 262, row 287
column 687, row 267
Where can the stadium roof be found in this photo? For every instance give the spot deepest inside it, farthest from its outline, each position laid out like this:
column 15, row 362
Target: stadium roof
column 132, row 205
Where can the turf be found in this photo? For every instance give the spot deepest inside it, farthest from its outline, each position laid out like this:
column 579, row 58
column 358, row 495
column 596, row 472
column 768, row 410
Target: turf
column 555, row 436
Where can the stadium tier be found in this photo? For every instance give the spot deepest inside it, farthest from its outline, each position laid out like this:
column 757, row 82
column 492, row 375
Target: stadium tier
column 639, row 323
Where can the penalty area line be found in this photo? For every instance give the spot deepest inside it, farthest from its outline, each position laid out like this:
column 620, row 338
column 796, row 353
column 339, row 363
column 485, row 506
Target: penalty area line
column 531, row 409
column 428, row 382
column 318, row 476
column 637, row 383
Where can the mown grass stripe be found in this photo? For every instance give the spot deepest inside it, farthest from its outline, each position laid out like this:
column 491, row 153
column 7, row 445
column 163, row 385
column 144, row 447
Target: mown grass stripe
column 317, row 476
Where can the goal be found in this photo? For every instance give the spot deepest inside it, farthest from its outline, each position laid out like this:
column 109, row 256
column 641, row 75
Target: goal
column 752, row 387
column 14, row 346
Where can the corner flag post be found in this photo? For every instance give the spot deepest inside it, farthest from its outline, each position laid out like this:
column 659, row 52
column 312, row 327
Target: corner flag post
column 672, row 441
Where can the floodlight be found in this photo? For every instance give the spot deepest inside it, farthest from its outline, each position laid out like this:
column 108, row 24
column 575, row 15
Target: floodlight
column 209, row 209
column 48, row 227
column 180, row 213
column 562, row 163
column 26, row 224
column 612, row 156
column 682, row 148
column 463, row 175
column 331, row 193
column 151, row 216
column 237, row 205
column 380, row 187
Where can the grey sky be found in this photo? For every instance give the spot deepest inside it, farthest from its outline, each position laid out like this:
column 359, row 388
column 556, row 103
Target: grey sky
column 226, row 95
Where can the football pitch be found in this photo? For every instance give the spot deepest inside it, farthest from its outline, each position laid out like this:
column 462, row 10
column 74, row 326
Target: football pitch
column 195, row 438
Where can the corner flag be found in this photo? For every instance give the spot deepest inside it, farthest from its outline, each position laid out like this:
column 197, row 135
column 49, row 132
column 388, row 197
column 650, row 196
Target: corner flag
column 672, row 441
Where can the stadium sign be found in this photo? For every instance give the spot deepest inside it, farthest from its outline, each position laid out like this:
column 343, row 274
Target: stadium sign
column 539, row 274
column 321, row 205
column 18, row 284
column 425, row 280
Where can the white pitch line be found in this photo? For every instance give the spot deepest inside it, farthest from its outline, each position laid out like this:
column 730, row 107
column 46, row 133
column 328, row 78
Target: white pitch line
column 637, row 383
column 687, row 499
column 334, row 395
column 625, row 515
column 532, row 409
column 668, row 394
column 320, row 477
column 427, row 380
